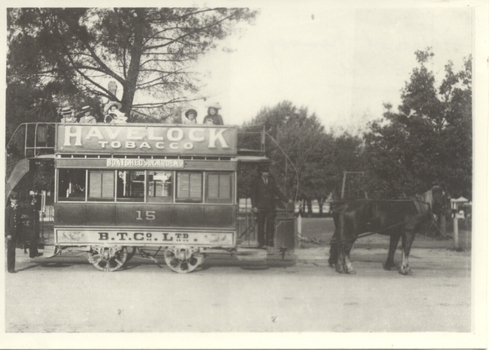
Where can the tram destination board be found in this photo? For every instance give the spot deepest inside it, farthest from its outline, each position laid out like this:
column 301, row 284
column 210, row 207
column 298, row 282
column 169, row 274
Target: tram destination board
column 147, row 139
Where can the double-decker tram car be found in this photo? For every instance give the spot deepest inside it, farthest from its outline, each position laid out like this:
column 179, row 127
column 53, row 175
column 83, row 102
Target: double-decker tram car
column 169, row 189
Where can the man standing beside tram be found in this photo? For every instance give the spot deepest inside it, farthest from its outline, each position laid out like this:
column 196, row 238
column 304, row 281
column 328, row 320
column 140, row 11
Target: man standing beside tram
column 12, row 230
column 263, row 194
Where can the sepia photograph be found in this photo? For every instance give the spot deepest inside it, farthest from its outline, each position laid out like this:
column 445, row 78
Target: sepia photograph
column 243, row 174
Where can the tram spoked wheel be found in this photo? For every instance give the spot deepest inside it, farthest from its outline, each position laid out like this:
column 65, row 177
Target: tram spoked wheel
column 182, row 266
column 105, row 263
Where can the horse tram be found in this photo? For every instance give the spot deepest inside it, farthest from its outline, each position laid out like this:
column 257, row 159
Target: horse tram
column 154, row 189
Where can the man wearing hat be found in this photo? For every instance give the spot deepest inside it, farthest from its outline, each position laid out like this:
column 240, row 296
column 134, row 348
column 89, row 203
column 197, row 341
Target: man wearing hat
column 68, row 116
column 12, row 230
column 263, row 194
column 86, row 117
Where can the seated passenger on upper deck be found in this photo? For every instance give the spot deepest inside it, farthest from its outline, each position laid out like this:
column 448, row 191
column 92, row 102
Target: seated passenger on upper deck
column 212, row 114
column 68, row 116
column 190, row 117
column 112, row 113
column 86, row 115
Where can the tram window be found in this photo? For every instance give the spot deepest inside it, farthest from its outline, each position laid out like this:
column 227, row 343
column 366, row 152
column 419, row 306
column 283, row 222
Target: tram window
column 130, row 185
column 219, row 187
column 71, row 185
column 160, row 186
column 101, row 185
column 189, row 187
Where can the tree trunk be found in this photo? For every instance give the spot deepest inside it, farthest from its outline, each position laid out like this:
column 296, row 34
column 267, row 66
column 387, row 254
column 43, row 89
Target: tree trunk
column 133, row 70
column 309, row 208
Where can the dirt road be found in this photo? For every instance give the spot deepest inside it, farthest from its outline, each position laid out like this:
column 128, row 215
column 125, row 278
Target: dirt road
column 298, row 294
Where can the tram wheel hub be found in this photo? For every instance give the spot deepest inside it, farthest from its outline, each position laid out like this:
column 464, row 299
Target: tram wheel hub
column 107, row 259
column 183, row 259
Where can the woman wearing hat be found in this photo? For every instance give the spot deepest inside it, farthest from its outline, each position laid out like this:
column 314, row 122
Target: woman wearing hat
column 190, row 117
column 213, row 114
column 67, row 115
column 113, row 115
column 86, row 117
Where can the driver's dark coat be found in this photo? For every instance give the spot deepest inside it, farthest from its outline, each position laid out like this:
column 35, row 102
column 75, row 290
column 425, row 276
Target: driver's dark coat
column 12, row 221
column 263, row 195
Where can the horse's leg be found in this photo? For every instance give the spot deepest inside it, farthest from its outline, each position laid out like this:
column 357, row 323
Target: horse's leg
column 340, row 261
column 407, row 241
column 333, row 254
column 389, row 264
column 333, row 250
column 348, row 265
column 340, row 245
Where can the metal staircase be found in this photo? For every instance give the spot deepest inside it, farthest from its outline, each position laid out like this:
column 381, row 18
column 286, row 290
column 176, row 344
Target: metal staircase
column 30, row 141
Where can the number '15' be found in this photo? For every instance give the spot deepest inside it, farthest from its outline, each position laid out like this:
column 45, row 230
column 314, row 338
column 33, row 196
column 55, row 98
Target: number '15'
column 148, row 215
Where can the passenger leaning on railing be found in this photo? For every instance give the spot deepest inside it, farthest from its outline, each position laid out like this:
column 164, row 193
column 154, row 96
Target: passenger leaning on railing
column 86, row 112
column 190, row 117
column 67, row 115
column 113, row 115
column 213, row 115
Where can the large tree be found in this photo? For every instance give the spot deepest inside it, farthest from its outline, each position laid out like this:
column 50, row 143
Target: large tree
column 300, row 150
column 147, row 51
column 429, row 139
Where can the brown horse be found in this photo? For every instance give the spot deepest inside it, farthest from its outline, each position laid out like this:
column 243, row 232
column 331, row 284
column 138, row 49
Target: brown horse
column 401, row 218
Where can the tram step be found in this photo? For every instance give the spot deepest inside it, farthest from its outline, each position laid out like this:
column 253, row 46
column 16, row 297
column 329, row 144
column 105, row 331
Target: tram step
column 251, row 254
column 49, row 251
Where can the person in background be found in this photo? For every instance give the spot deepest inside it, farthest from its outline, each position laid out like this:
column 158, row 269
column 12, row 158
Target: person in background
column 263, row 194
column 67, row 115
column 12, row 230
column 190, row 117
column 213, row 114
column 86, row 112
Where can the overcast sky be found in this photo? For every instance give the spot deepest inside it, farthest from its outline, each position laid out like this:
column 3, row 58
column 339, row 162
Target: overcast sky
column 341, row 63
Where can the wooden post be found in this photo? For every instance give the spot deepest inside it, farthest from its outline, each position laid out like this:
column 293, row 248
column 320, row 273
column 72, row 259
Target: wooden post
column 299, row 226
column 443, row 225
column 455, row 232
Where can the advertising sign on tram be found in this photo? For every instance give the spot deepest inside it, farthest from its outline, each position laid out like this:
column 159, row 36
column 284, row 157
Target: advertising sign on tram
column 143, row 139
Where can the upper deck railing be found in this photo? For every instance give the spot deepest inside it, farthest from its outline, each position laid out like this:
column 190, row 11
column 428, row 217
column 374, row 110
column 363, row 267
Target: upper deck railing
column 43, row 140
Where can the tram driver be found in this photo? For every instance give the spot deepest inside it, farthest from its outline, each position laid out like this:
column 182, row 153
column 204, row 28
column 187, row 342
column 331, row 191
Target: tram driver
column 263, row 194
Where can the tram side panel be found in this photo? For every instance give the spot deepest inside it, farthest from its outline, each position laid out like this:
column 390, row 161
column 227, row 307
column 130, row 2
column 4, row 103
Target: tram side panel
column 159, row 224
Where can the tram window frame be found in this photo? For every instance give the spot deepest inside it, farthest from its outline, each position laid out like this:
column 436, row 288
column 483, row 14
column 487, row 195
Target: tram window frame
column 130, row 198
column 177, row 187
column 81, row 173
column 102, row 184
column 160, row 199
column 219, row 199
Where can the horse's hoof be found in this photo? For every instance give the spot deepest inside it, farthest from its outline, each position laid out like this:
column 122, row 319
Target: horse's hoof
column 407, row 272
column 351, row 272
column 390, row 267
